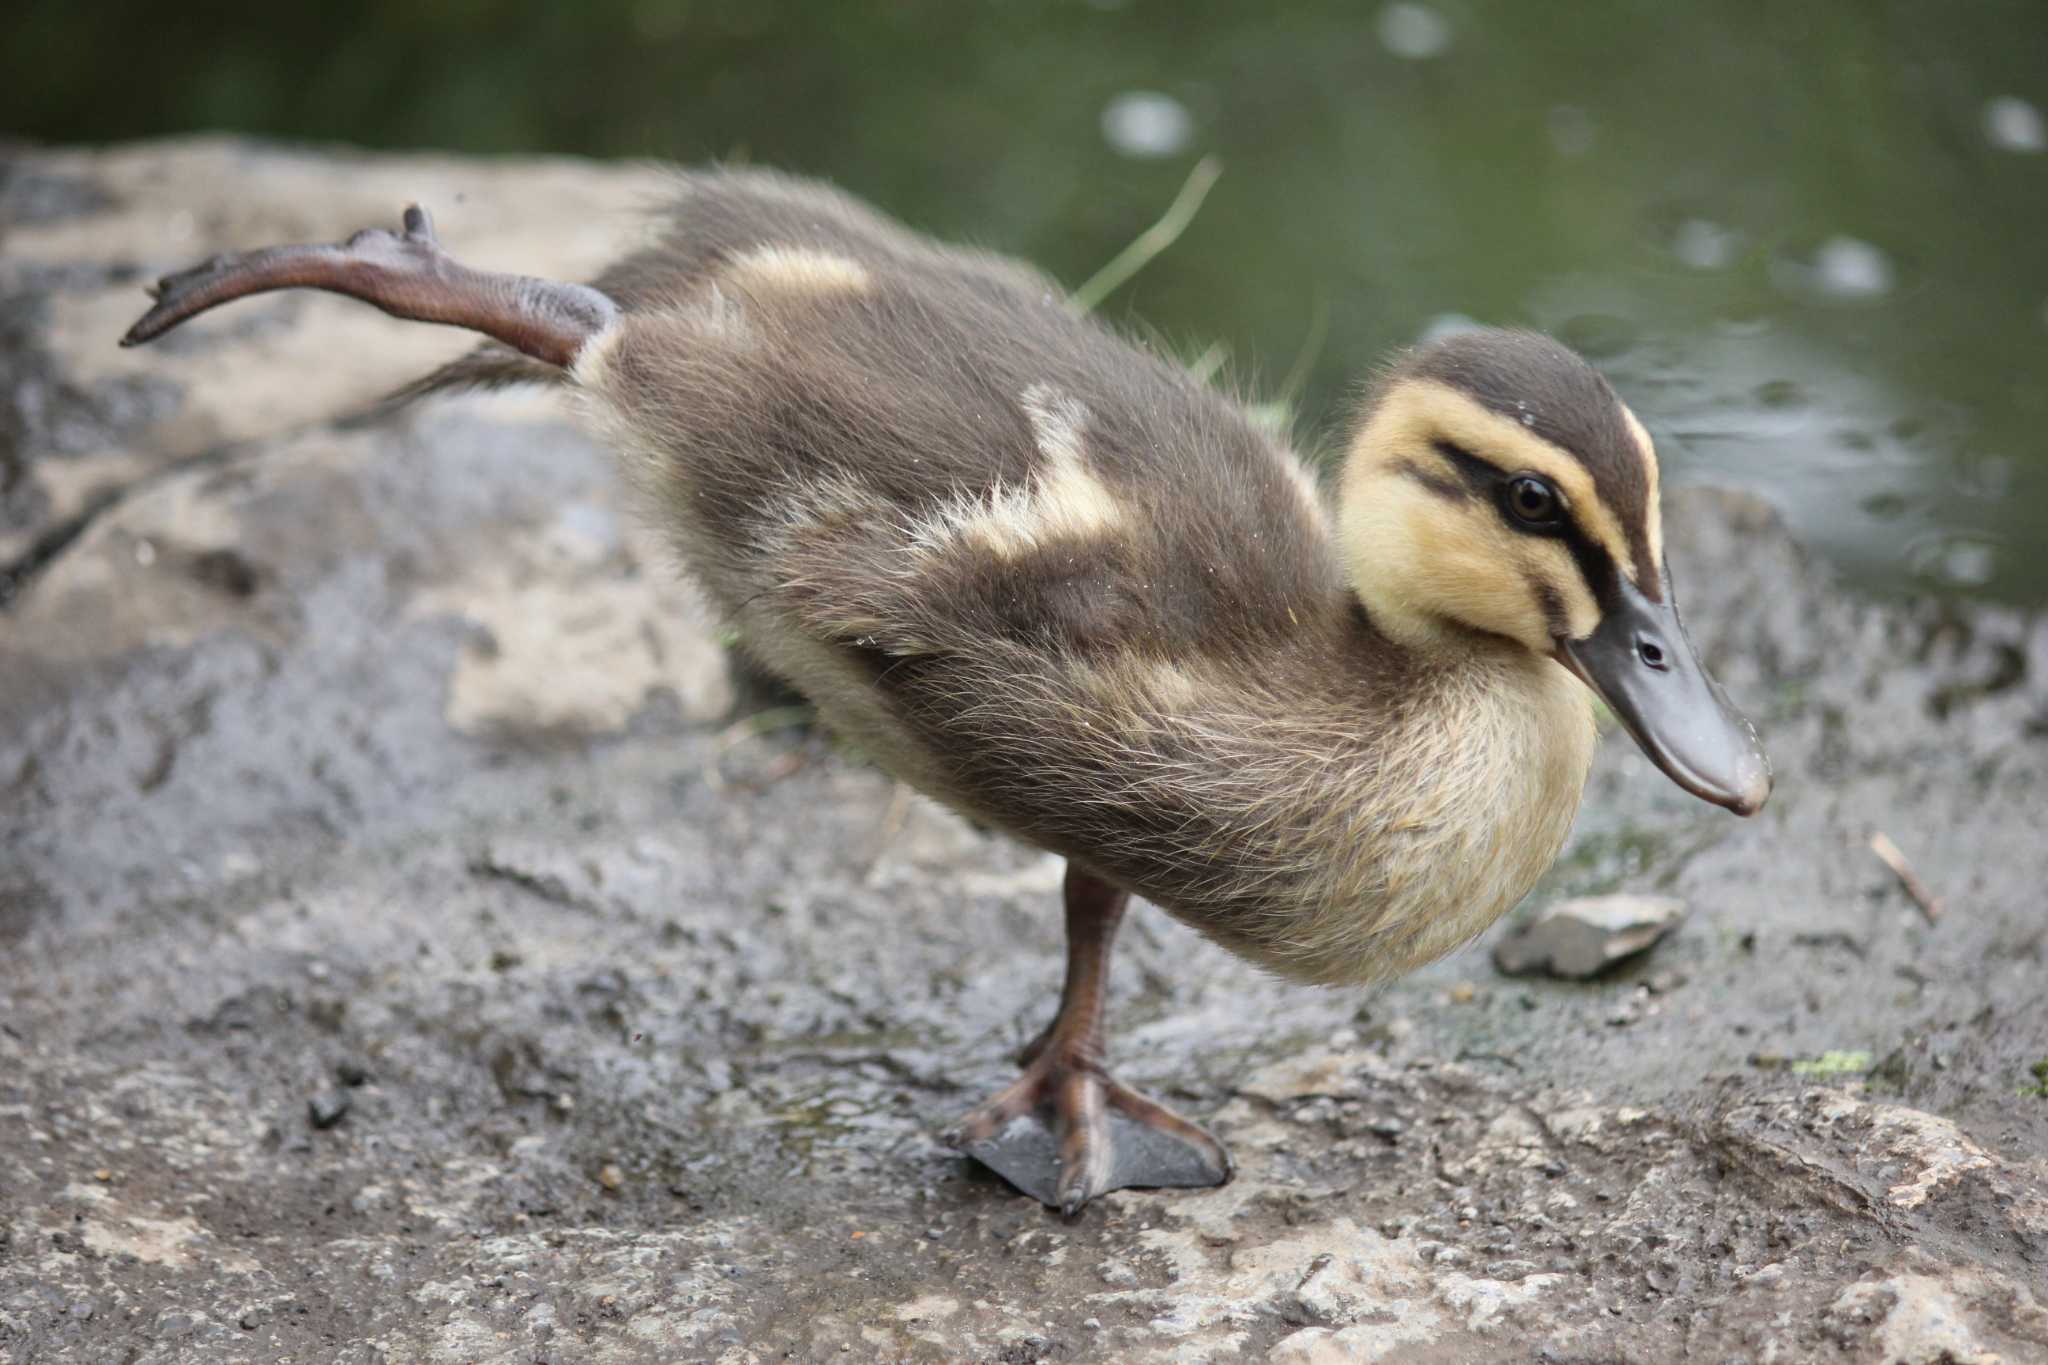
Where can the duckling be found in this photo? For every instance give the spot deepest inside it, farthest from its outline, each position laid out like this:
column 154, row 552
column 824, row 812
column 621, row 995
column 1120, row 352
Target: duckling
column 1063, row 587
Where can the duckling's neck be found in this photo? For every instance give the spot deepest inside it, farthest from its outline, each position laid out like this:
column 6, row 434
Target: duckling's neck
column 1497, row 754
column 1376, row 804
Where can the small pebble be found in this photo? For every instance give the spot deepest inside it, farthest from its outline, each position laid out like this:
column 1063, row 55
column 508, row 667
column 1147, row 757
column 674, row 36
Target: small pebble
column 1581, row 938
column 103, row 1175
column 351, row 1073
column 1464, row 993
column 611, row 1177
column 328, row 1108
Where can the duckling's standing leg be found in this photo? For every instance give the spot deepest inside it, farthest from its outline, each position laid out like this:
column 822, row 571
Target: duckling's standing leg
column 1100, row 1136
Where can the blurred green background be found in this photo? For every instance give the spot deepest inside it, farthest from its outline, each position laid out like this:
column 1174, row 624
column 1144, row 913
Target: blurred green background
column 1808, row 241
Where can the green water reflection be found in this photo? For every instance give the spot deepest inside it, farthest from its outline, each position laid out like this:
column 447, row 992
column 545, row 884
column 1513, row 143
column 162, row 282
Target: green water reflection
column 1807, row 240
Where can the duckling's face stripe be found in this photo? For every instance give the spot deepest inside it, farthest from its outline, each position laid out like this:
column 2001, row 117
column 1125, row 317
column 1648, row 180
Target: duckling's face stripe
column 1649, row 563
column 1541, row 387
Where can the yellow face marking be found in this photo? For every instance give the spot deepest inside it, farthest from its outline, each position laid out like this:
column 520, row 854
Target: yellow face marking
column 798, row 270
column 1419, row 561
column 1422, row 411
column 1653, row 513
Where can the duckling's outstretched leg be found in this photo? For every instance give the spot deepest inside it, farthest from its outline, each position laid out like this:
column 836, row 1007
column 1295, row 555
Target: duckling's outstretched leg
column 404, row 273
column 1097, row 1136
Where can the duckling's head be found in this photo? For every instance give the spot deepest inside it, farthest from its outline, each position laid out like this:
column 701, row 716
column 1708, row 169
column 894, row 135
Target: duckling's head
column 1496, row 486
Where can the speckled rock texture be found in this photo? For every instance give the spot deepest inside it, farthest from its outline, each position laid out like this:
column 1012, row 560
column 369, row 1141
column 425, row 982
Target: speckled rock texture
column 408, row 953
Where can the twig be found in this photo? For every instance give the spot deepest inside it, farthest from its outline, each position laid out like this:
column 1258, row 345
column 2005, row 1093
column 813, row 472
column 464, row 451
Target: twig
column 1151, row 241
column 1888, row 854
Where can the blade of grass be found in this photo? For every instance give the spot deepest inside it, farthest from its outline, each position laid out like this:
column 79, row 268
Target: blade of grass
column 1305, row 359
column 1208, row 362
column 1150, row 242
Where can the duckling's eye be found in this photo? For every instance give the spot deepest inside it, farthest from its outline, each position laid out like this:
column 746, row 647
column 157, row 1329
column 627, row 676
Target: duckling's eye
column 1532, row 501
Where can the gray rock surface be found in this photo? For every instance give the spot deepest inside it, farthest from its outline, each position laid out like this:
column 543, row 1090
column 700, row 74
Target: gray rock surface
column 403, row 957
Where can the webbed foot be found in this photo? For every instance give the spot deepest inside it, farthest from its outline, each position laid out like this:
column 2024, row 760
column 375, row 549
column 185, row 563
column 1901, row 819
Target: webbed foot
column 1065, row 1132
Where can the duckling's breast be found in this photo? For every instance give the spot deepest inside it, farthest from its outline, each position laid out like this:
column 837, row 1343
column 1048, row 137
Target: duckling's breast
column 1335, row 825
column 1477, row 793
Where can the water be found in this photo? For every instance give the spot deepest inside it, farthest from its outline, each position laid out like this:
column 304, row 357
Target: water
column 1806, row 241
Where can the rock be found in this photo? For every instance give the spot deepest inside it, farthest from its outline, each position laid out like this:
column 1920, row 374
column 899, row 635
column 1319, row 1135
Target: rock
column 328, row 1108
column 1585, row 936
column 1921, row 1319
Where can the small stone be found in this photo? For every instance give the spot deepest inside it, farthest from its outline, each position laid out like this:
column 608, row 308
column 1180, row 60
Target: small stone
column 610, row 1176
column 103, row 1175
column 328, row 1108
column 1581, row 938
column 351, row 1073
column 1464, row 993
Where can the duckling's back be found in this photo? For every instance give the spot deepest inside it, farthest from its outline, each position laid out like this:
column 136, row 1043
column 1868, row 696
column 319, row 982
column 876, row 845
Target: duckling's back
column 924, row 448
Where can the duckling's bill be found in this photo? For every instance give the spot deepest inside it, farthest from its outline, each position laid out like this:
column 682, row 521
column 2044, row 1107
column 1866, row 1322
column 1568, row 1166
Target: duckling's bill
column 1642, row 664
